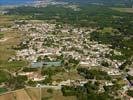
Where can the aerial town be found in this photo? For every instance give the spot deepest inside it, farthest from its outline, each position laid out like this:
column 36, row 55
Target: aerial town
column 66, row 51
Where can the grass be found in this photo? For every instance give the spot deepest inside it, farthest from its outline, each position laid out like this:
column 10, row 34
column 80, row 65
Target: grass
column 4, row 76
column 106, row 30
column 13, row 38
column 3, row 90
column 6, row 51
column 8, row 20
column 1, row 35
column 56, row 95
column 62, row 76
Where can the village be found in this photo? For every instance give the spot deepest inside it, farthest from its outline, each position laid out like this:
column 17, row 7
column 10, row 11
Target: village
column 66, row 48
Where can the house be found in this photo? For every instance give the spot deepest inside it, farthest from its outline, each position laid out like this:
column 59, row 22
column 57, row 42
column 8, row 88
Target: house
column 84, row 64
column 108, row 83
column 33, row 76
column 114, row 72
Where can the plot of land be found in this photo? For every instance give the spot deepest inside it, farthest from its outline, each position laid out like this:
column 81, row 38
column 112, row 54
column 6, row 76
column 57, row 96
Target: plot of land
column 128, row 10
column 55, row 95
column 6, row 50
column 7, row 41
column 73, row 75
column 35, row 94
column 22, row 94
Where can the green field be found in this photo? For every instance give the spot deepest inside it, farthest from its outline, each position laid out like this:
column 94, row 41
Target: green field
column 3, row 90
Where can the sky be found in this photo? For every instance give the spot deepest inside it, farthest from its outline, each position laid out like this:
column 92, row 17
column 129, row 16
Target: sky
column 15, row 2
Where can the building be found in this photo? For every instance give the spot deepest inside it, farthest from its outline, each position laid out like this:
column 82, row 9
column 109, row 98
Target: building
column 47, row 64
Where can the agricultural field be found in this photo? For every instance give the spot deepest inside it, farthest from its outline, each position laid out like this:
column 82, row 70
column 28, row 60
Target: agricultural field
column 34, row 93
column 50, row 94
column 26, row 94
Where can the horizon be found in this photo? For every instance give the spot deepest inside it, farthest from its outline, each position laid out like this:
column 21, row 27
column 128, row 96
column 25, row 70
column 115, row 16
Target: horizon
column 16, row 2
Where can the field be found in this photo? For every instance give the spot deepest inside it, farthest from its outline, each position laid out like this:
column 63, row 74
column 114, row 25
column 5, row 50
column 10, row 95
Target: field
column 55, row 95
column 5, row 20
column 22, row 94
column 9, row 39
column 1, row 35
column 128, row 10
column 66, row 76
column 106, row 30
column 35, row 94
column 6, row 51
column 2, row 90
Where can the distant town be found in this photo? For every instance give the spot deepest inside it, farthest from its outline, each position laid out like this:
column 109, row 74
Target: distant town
column 73, row 60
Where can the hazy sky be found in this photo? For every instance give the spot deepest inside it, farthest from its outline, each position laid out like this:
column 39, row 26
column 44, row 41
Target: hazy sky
column 12, row 2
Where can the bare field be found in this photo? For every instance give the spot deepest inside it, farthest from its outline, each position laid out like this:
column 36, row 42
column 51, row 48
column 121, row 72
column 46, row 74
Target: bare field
column 34, row 93
column 15, row 95
column 8, row 96
column 22, row 94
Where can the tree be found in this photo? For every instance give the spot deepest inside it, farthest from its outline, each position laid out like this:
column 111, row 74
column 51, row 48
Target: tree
column 50, row 91
column 17, row 82
column 105, row 64
column 130, row 93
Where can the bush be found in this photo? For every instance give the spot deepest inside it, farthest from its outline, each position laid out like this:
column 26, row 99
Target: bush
column 130, row 93
column 50, row 91
column 4, row 76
